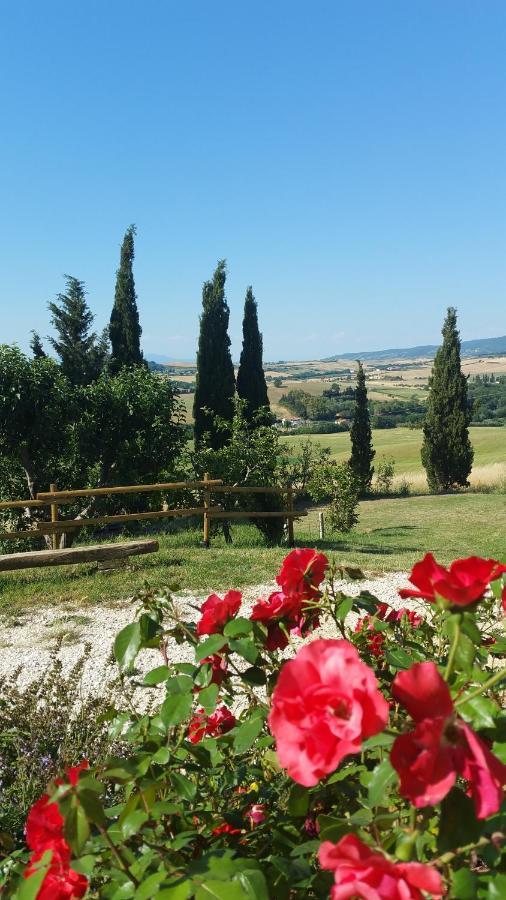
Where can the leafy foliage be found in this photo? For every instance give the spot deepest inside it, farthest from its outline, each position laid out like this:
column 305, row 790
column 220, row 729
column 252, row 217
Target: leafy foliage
column 203, row 809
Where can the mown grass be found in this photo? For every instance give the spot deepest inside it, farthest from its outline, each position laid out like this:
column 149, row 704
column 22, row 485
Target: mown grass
column 391, row 535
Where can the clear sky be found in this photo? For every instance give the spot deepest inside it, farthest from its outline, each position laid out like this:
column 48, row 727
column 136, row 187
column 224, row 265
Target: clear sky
column 346, row 158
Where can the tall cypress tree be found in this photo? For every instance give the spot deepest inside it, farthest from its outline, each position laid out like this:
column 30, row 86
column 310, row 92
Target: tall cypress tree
column 447, row 454
column 81, row 355
column 124, row 328
column 362, row 453
column 251, row 384
column 215, row 382
column 36, row 346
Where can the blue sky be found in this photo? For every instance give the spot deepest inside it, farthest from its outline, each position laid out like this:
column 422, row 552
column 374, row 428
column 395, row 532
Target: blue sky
column 346, row 158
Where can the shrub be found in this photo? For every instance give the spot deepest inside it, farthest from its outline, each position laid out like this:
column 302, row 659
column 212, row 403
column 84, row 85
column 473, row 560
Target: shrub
column 344, row 487
column 385, row 472
column 43, row 728
column 367, row 766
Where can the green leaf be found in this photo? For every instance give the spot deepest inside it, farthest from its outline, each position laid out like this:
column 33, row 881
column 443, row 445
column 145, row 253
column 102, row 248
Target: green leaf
column 382, row 779
column 238, row 627
column 184, row 787
column 208, row 697
column 298, row 800
column 331, row 828
column 344, row 608
column 181, row 891
column 92, row 806
column 464, row 657
column 148, row 889
column 246, row 648
column 175, row 709
column 161, row 757
column 398, row 658
column 179, row 684
column 156, row 676
column 469, row 627
column 480, row 712
column 209, row 646
column 254, row 675
column 29, row 888
column 246, row 734
column 496, row 888
column 127, row 645
column 132, row 823
column 379, row 740
column 464, row 885
column 85, row 865
column 76, row 828
column 458, row 824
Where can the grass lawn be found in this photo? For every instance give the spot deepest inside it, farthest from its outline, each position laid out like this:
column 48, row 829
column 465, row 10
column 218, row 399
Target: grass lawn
column 391, row 536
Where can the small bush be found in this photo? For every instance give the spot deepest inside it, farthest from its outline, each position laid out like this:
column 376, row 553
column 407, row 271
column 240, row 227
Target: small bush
column 44, row 728
column 385, row 472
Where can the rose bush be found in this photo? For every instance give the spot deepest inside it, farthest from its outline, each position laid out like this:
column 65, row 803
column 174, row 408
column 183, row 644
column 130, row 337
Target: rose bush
column 281, row 764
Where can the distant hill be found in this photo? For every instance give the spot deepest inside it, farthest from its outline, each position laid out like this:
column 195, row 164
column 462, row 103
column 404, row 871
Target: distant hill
column 484, row 347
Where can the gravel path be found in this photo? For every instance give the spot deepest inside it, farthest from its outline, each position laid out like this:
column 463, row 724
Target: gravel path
column 27, row 644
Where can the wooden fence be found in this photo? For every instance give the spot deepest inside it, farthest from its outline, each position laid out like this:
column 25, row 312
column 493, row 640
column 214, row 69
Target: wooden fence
column 54, row 499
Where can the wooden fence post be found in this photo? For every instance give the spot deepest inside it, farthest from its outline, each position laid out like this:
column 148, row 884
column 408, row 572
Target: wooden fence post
column 289, row 509
column 54, row 517
column 321, row 522
column 207, row 504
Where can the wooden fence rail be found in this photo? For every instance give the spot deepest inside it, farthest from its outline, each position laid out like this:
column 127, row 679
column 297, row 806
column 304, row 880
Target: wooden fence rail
column 208, row 510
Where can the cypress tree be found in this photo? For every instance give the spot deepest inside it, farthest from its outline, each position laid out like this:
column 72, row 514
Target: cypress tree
column 215, row 382
column 124, row 328
column 362, row 453
column 36, row 346
column 447, row 454
column 81, row 356
column 251, row 384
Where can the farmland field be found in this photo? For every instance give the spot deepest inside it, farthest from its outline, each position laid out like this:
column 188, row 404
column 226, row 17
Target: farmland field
column 404, row 444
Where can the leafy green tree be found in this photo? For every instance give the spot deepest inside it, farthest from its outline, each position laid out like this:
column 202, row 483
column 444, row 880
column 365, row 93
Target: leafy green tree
column 36, row 346
column 447, row 454
column 124, row 429
column 124, row 328
column 362, row 453
column 251, row 384
column 249, row 458
column 215, row 382
column 81, row 355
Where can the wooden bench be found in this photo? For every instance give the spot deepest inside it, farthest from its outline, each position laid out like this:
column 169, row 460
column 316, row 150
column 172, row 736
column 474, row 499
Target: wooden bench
column 103, row 553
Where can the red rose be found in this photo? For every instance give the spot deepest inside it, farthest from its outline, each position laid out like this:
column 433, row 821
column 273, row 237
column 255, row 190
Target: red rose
column 219, row 667
column 302, row 572
column 361, row 872
column 44, row 824
column 375, row 639
column 325, row 702
column 60, row 882
column 225, row 828
column 255, row 814
column 221, row 721
column 463, row 583
column 217, row 612
column 429, row 758
column 277, row 608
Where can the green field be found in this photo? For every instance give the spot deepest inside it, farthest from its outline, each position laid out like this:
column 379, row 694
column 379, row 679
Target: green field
column 404, row 444
column 391, row 535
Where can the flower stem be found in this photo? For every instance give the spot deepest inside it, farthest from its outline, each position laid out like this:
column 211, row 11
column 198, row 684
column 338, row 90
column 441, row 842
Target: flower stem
column 445, row 858
column 494, row 679
column 453, row 650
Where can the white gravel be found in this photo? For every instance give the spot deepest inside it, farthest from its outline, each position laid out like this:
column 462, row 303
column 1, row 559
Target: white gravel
column 28, row 643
